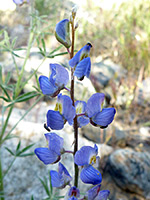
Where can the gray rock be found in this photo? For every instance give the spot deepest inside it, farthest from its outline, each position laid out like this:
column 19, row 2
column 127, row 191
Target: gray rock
column 131, row 170
column 144, row 92
column 105, row 70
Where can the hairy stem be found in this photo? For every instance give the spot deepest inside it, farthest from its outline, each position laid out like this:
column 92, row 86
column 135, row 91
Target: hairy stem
column 72, row 97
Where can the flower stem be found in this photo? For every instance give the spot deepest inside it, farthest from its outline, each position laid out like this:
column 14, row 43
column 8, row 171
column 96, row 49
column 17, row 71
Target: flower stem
column 72, row 97
column 1, row 181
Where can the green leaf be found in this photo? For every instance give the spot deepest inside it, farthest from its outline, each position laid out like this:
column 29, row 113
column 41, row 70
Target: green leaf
column 24, row 150
column 59, row 197
column 9, row 151
column 37, row 81
column 27, row 154
column 5, row 99
column 50, row 184
column 16, row 55
column 43, row 44
column 57, row 49
column 14, row 42
column 45, row 185
column 59, row 54
column 32, row 198
column 26, row 96
column 18, row 49
column 18, row 146
column 6, row 37
column 4, row 90
column 7, row 79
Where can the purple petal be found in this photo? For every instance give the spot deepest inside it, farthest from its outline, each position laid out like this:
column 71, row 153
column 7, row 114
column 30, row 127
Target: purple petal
column 103, row 195
column 84, row 155
column 18, row 2
column 46, row 86
column 55, row 142
column 94, row 104
column 90, row 175
column 68, row 110
column 56, row 179
column 61, row 178
column 62, row 32
column 62, row 170
column 81, row 54
column 93, row 192
column 82, row 121
column 46, row 156
column 55, row 120
column 59, row 75
column 83, row 68
column 73, row 198
column 105, row 117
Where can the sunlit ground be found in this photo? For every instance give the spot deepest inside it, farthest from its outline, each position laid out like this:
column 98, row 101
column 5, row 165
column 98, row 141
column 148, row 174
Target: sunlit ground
column 7, row 5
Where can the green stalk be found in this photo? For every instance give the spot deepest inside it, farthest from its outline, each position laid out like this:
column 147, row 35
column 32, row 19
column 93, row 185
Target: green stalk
column 5, row 124
column 12, row 162
column 18, row 84
column 1, row 181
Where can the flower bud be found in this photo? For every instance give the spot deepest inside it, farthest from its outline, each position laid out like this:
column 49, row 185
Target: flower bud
column 74, row 11
column 76, row 26
column 62, row 33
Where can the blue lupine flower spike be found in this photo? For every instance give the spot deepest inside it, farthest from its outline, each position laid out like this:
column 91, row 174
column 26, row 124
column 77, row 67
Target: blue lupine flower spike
column 57, row 81
column 62, row 32
column 52, row 154
column 61, row 178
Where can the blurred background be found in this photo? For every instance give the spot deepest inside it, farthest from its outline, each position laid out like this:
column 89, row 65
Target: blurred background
column 119, row 31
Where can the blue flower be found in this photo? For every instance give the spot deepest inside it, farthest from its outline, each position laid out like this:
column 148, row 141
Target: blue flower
column 62, row 33
column 80, row 109
column 99, row 116
column 52, row 154
column 20, row 2
column 73, row 193
column 90, row 175
column 87, row 157
column 82, row 63
column 103, row 195
column 64, row 111
column 93, row 192
column 83, row 68
column 80, row 55
column 57, row 81
column 61, row 178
